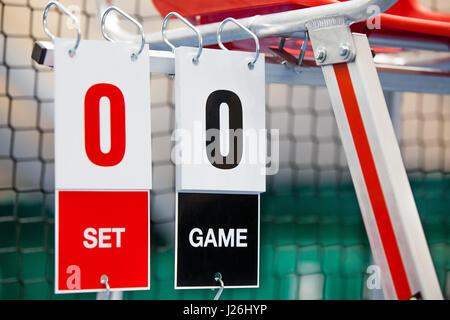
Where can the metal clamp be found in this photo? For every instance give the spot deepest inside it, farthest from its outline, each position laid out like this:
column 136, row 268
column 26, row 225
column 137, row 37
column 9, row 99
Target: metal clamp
column 71, row 15
column 218, row 277
column 240, row 25
column 331, row 40
column 190, row 25
column 134, row 55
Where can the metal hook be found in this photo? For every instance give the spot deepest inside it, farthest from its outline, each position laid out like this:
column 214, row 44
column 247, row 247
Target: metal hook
column 104, row 281
column 303, row 49
column 190, row 25
column 134, row 55
column 218, row 277
column 71, row 15
column 240, row 25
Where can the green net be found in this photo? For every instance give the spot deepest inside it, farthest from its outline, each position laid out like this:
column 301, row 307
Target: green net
column 312, row 247
column 313, row 242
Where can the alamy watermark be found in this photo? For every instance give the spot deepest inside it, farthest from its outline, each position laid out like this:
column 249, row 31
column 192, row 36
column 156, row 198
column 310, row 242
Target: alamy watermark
column 226, row 149
column 374, row 20
column 374, row 279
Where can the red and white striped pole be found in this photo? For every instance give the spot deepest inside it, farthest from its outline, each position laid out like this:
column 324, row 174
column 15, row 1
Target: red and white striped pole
column 385, row 198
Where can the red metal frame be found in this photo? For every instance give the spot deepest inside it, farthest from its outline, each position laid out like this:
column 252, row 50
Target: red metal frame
column 405, row 15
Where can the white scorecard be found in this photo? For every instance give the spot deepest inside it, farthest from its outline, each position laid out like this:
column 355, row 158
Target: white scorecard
column 220, row 121
column 102, row 117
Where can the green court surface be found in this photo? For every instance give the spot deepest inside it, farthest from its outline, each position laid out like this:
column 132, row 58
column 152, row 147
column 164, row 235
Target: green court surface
column 313, row 246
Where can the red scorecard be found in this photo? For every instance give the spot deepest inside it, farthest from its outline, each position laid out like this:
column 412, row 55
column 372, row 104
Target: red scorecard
column 103, row 170
column 102, row 233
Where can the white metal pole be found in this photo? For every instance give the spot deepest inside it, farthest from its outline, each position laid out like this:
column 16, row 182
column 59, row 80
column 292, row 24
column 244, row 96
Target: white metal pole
column 385, row 198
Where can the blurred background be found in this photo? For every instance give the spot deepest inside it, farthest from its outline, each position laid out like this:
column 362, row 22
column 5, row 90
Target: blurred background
column 313, row 242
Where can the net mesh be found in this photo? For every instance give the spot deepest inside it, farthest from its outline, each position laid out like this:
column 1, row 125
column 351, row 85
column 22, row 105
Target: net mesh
column 313, row 242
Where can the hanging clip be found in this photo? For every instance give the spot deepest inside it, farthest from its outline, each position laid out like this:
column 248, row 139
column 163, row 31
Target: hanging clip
column 134, row 55
column 303, row 49
column 255, row 37
column 218, row 277
column 71, row 15
column 190, row 25
column 104, row 281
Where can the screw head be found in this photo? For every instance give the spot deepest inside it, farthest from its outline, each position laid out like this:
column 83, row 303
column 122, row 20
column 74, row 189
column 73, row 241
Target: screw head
column 321, row 55
column 344, row 50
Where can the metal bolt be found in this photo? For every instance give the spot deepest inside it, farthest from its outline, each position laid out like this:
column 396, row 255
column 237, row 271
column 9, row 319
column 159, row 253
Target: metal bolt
column 344, row 50
column 321, row 55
